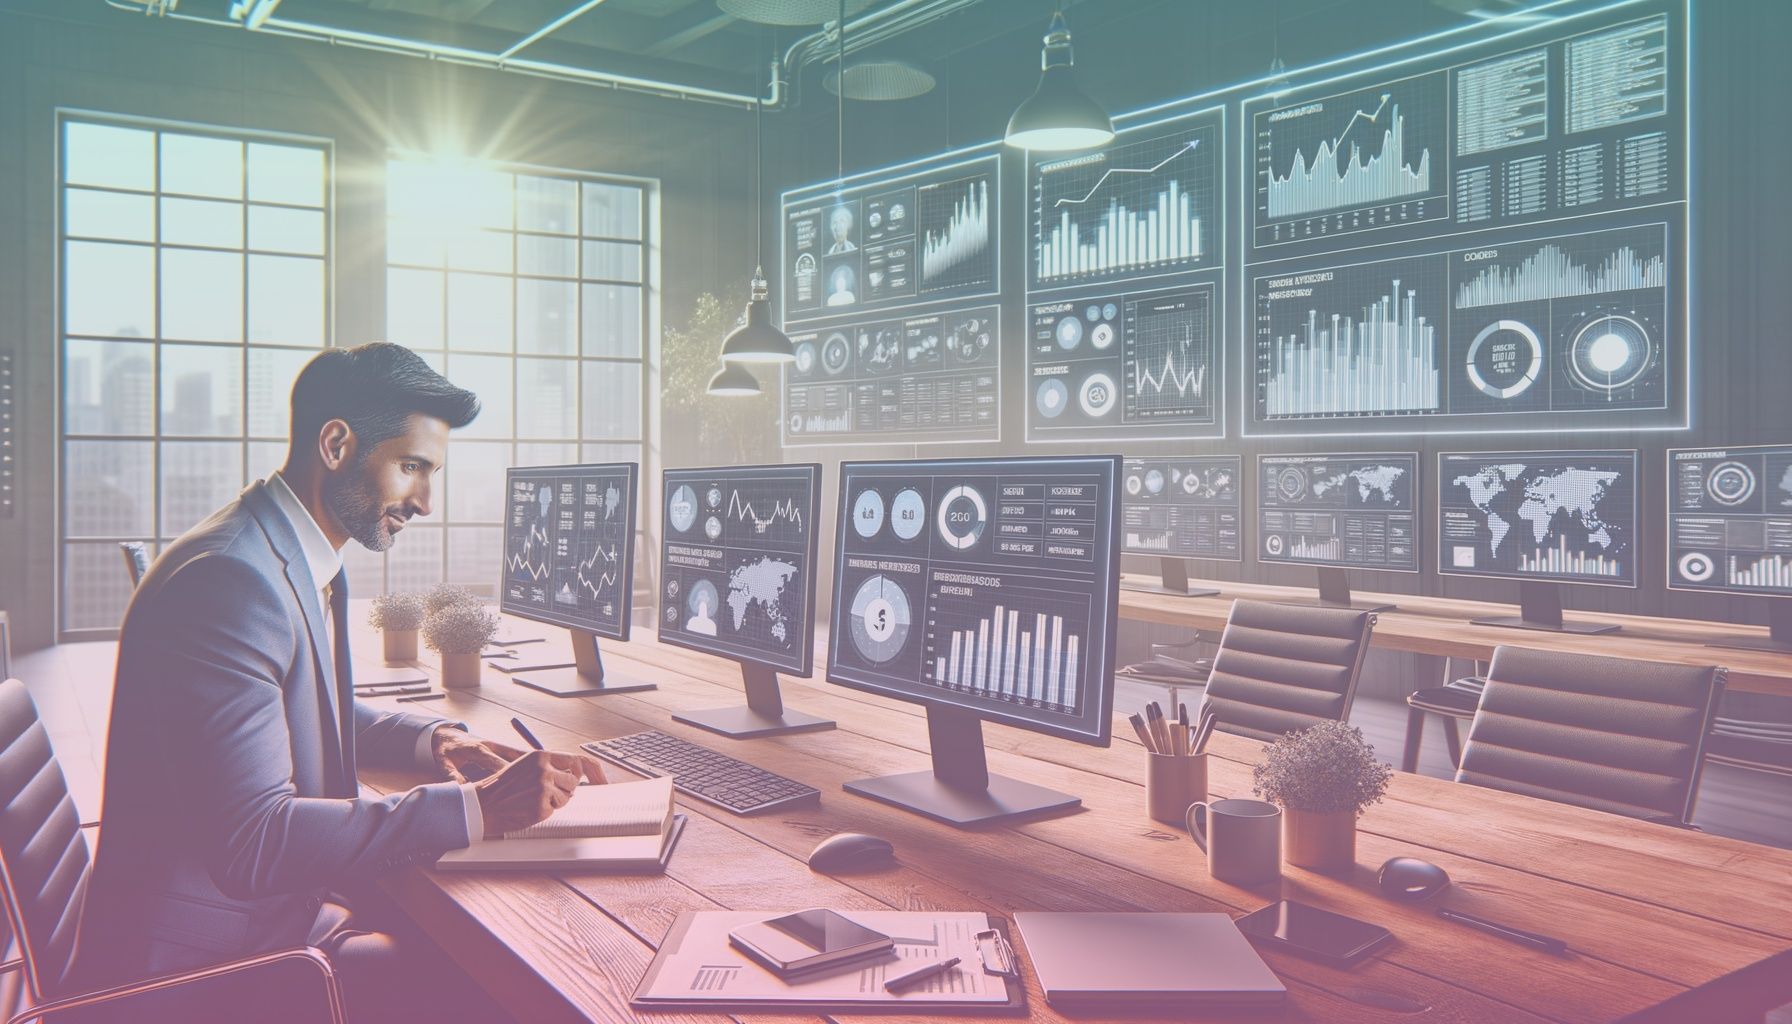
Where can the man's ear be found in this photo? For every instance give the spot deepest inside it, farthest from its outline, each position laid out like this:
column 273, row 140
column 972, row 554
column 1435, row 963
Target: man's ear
column 335, row 444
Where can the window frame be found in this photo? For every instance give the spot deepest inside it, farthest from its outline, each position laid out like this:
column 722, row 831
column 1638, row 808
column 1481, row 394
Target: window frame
column 157, row 437
column 442, row 524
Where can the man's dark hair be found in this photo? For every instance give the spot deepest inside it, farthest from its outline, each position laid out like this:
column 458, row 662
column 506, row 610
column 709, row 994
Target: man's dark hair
column 374, row 388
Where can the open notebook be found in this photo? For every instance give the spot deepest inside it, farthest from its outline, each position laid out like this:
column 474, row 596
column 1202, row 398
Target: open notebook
column 625, row 826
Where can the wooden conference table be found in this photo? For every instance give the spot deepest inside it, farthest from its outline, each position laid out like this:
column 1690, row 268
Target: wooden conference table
column 1441, row 626
column 1663, row 924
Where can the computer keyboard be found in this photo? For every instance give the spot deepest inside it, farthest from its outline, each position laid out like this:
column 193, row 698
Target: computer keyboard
column 729, row 783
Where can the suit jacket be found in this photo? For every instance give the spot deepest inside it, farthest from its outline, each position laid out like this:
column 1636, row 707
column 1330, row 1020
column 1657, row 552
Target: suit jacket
column 231, row 805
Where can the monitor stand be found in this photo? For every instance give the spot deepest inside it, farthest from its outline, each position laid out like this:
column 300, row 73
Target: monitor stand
column 584, row 678
column 1779, row 631
column 1175, row 575
column 1334, row 592
column 763, row 714
column 960, row 790
column 1540, row 608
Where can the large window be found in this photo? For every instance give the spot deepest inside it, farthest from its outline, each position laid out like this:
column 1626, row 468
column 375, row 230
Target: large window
column 194, row 284
column 532, row 288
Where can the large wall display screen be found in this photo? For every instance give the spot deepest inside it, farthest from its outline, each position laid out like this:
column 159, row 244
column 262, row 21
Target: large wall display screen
column 893, row 241
column 935, row 376
column 1730, row 520
column 1125, row 287
column 1492, row 241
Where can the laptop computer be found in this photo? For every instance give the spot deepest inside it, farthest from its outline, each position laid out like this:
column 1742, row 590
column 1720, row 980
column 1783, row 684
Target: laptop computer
column 1160, row 961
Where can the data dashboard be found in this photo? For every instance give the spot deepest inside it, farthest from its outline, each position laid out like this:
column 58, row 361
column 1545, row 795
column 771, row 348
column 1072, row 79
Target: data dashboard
column 985, row 584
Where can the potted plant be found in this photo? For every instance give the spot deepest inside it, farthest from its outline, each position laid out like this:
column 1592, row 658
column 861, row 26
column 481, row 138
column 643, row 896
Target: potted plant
column 443, row 595
column 459, row 632
column 1323, row 777
column 398, row 617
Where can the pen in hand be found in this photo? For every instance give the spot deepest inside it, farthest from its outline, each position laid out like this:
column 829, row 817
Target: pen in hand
column 523, row 731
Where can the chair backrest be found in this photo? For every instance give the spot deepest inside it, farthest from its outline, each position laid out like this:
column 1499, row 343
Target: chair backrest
column 1612, row 734
column 1281, row 668
column 43, row 857
column 136, row 559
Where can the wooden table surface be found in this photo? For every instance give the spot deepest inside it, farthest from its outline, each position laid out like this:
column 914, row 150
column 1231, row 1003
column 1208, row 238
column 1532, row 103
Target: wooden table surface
column 1442, row 626
column 1663, row 924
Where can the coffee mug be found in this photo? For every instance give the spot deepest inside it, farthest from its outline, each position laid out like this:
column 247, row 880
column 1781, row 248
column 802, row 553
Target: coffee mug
column 1242, row 839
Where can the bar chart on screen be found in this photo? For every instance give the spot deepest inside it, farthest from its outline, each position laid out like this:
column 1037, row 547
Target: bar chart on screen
column 1010, row 642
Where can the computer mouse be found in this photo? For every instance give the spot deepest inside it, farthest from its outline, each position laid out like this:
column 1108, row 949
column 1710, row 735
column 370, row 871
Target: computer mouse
column 1409, row 878
column 851, row 851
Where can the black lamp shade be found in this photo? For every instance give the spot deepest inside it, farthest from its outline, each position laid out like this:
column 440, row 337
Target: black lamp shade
column 733, row 381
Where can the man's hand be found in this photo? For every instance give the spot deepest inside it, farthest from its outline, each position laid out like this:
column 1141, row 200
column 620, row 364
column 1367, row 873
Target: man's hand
column 463, row 758
column 527, row 790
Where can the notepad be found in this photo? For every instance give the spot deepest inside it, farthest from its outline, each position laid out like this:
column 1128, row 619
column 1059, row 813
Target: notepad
column 597, row 812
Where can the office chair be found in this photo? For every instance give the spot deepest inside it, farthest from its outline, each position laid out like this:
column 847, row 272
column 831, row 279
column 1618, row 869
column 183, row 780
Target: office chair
column 136, row 560
column 1612, row 734
column 43, row 883
column 1756, row 746
column 1453, row 702
column 1281, row 668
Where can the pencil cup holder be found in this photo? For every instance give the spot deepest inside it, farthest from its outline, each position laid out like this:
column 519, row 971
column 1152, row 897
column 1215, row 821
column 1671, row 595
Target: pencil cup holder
column 1173, row 784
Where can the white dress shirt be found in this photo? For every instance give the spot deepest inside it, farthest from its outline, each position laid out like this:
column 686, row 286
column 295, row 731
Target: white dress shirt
column 325, row 561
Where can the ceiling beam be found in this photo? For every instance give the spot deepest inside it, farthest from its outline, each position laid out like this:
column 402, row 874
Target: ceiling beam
column 679, row 40
column 549, row 29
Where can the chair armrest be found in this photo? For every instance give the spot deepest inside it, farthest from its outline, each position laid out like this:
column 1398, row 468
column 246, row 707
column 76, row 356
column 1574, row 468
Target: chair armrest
column 317, row 957
column 1175, row 644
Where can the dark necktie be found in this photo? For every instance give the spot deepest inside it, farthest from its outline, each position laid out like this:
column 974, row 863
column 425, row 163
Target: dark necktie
column 337, row 592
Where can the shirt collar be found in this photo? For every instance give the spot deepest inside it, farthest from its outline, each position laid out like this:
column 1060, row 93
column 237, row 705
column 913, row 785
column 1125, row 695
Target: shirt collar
column 323, row 559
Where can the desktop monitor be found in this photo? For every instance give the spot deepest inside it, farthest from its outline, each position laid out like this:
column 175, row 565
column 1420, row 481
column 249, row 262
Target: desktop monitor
column 1177, row 508
column 980, row 589
column 569, row 554
column 1730, row 530
column 1338, row 512
column 1542, row 518
column 737, row 579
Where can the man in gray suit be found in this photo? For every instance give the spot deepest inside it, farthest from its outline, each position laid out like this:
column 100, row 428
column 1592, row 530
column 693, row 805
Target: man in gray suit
column 232, row 816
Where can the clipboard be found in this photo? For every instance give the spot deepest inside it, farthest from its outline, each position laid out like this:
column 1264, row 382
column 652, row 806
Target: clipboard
column 695, row 935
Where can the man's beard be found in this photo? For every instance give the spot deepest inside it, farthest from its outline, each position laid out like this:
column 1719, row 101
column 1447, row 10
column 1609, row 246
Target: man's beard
column 358, row 509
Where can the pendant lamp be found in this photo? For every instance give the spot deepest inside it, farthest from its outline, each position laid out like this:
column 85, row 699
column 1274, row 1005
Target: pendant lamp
column 733, row 381
column 757, row 340
column 1059, row 115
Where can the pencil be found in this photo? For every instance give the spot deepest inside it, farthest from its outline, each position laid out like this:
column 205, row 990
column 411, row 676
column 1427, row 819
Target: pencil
column 1138, row 726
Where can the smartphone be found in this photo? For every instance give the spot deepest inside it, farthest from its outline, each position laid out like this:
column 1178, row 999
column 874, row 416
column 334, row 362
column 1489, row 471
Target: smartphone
column 1310, row 931
column 809, row 940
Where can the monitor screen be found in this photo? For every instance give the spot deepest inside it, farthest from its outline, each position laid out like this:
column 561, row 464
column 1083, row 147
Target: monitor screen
column 737, row 557
column 569, row 546
column 1345, row 511
column 988, row 585
column 1184, row 508
column 1566, row 516
column 1730, row 519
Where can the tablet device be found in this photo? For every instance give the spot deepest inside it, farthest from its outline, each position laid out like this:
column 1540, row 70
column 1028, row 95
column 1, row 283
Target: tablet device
column 808, row 940
column 1310, row 931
